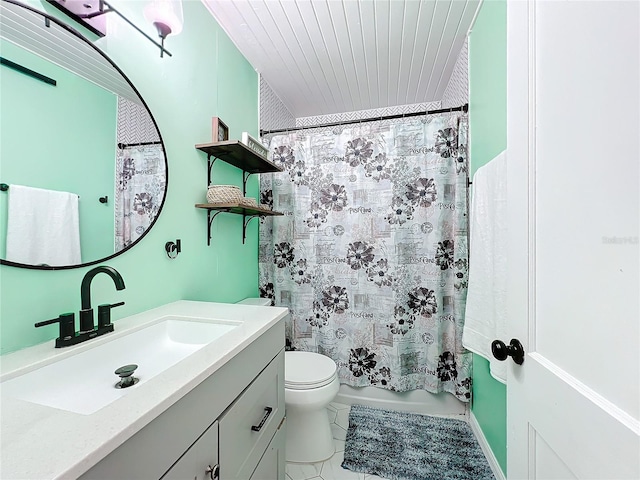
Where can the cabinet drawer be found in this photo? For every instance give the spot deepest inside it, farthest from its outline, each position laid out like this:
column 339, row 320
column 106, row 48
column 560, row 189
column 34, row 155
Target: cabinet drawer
column 273, row 464
column 201, row 457
column 248, row 426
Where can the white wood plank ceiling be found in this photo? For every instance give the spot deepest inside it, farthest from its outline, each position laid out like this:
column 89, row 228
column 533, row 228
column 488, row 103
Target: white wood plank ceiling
column 28, row 30
column 332, row 56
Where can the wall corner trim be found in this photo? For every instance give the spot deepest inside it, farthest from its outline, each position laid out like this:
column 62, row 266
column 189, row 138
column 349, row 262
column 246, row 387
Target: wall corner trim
column 486, row 449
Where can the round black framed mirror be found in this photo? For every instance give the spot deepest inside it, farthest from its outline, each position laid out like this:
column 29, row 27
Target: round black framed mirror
column 84, row 170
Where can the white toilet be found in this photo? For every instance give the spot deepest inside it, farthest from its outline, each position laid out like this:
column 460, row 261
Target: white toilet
column 310, row 383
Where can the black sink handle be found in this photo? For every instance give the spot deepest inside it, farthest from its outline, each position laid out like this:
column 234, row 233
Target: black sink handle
column 104, row 313
column 67, row 325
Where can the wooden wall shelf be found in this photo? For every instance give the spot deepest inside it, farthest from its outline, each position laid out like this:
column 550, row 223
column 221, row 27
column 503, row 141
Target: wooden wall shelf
column 235, row 153
column 238, row 209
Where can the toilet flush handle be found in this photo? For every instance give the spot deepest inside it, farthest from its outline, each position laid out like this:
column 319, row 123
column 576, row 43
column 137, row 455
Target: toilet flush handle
column 267, row 410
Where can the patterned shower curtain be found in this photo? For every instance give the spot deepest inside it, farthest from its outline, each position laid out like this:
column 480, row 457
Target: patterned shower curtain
column 371, row 255
column 140, row 186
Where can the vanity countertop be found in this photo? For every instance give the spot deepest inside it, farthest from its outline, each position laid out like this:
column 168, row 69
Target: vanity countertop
column 40, row 442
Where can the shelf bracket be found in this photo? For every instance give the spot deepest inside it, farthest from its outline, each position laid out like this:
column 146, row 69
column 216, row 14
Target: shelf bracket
column 245, row 177
column 210, row 218
column 245, row 221
column 209, row 166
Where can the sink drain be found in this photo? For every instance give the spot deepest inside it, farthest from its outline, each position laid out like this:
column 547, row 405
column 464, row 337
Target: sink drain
column 126, row 376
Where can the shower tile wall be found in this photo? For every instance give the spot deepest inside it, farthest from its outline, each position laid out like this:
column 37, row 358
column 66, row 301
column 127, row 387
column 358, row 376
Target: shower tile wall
column 457, row 91
column 273, row 113
column 134, row 123
column 376, row 112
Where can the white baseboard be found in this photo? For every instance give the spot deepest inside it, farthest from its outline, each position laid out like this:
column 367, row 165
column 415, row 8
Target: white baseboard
column 484, row 445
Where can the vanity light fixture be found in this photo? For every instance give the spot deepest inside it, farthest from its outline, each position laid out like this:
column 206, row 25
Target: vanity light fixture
column 165, row 15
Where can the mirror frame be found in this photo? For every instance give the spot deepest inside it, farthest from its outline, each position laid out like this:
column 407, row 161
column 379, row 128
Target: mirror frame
column 76, row 33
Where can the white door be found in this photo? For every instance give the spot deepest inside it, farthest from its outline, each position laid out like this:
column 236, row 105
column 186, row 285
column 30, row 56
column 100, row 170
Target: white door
column 573, row 175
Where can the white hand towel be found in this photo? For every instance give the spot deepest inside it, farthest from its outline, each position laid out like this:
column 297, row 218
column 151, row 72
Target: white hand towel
column 486, row 310
column 42, row 227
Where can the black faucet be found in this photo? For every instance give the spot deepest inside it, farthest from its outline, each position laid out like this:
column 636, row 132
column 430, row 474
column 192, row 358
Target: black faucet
column 68, row 335
column 104, row 311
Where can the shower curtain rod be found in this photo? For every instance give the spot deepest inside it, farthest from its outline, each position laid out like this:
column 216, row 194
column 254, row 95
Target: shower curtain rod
column 125, row 145
column 462, row 108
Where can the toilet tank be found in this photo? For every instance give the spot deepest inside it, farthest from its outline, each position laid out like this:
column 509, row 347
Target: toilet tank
column 260, row 302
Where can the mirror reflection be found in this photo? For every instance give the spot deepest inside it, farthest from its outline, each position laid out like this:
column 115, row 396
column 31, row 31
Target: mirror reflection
column 81, row 157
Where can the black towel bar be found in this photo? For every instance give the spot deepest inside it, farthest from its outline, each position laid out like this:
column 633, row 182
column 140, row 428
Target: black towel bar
column 4, row 187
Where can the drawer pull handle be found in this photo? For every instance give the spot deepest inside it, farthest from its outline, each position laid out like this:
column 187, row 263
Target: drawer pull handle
column 268, row 411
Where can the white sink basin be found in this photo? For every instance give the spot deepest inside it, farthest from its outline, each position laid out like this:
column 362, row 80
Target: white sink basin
column 85, row 382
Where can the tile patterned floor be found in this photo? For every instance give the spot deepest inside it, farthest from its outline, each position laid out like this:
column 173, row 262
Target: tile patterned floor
column 330, row 469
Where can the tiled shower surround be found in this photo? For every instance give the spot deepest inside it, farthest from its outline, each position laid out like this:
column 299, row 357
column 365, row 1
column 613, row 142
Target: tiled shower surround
column 273, row 113
column 457, row 91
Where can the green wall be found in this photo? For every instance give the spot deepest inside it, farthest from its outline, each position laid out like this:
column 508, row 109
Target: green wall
column 60, row 138
column 205, row 77
column 488, row 133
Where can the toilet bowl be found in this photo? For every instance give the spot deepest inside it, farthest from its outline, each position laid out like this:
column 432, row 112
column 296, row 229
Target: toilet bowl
column 310, row 383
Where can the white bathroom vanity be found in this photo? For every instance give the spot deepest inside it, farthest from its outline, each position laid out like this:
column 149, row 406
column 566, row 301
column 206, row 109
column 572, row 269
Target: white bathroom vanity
column 213, row 409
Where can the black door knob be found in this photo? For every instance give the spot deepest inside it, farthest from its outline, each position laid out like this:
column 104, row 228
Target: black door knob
column 514, row 350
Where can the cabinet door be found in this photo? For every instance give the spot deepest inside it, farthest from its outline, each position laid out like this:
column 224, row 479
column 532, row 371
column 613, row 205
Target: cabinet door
column 199, row 460
column 272, row 464
column 249, row 424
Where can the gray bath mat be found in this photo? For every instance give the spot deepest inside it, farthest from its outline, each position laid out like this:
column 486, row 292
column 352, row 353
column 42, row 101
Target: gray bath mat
column 406, row 446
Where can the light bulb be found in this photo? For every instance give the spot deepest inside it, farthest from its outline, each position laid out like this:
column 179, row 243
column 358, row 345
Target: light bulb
column 166, row 15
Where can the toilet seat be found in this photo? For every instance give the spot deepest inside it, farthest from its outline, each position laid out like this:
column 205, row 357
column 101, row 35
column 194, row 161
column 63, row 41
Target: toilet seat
column 308, row 370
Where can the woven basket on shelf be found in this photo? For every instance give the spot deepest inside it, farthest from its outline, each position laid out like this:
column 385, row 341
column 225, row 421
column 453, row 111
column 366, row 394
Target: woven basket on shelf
column 248, row 202
column 224, row 194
